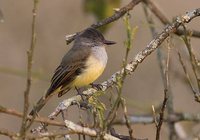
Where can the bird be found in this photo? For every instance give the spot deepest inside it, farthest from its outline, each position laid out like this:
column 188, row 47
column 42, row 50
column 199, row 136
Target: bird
column 80, row 66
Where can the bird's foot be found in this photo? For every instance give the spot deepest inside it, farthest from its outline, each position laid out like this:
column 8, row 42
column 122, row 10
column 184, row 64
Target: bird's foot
column 80, row 92
column 97, row 86
column 84, row 104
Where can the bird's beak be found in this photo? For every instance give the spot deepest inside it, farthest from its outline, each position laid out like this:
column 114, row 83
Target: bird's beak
column 107, row 42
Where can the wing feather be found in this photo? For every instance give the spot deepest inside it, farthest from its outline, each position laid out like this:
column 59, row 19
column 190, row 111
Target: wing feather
column 71, row 66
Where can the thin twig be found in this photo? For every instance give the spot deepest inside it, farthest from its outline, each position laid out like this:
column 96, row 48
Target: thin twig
column 29, row 71
column 8, row 133
column 157, row 12
column 150, row 21
column 186, row 74
column 73, row 128
column 166, row 86
column 37, row 119
column 163, row 18
column 170, row 104
column 130, row 130
column 160, row 57
column 154, row 115
column 16, row 136
column 122, row 137
column 149, row 118
column 193, row 62
column 121, row 78
column 118, row 14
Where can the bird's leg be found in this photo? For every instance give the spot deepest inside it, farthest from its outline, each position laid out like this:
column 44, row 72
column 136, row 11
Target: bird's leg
column 80, row 92
column 83, row 104
column 96, row 86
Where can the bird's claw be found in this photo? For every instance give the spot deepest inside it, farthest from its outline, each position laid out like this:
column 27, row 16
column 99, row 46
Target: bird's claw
column 97, row 86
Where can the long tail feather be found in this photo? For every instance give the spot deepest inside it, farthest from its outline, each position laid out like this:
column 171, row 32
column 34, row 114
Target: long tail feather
column 39, row 105
column 44, row 100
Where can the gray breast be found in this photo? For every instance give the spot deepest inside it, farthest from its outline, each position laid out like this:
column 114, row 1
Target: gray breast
column 100, row 54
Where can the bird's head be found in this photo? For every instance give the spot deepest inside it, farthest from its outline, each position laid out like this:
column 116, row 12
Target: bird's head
column 93, row 37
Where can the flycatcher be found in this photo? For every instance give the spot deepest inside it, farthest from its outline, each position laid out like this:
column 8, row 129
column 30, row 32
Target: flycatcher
column 80, row 66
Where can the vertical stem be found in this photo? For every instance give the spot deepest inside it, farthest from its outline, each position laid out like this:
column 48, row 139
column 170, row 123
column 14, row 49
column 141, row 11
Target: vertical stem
column 168, row 97
column 193, row 61
column 120, row 80
column 30, row 53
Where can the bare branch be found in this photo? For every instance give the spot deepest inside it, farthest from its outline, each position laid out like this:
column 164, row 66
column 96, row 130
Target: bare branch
column 166, row 95
column 29, row 71
column 161, row 61
column 118, row 14
column 149, row 119
column 161, row 16
column 37, row 119
column 188, row 77
column 122, row 137
column 123, row 103
column 87, row 131
column 8, row 133
column 194, row 64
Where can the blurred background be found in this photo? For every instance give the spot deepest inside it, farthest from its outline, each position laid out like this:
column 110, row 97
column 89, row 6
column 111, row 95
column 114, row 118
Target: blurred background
column 56, row 19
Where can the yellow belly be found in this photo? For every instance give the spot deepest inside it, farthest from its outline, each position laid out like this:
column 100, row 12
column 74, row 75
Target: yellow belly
column 93, row 70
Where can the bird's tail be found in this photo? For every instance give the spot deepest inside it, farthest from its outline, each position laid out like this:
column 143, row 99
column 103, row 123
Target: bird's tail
column 43, row 101
column 39, row 105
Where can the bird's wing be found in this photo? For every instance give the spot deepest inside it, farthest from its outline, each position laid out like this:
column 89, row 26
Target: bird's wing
column 70, row 67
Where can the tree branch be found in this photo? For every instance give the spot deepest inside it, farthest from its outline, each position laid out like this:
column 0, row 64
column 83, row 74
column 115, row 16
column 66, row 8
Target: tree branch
column 87, row 131
column 149, row 119
column 8, row 133
column 118, row 14
column 161, row 16
column 29, row 71
column 166, row 95
column 37, row 119
column 72, row 129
